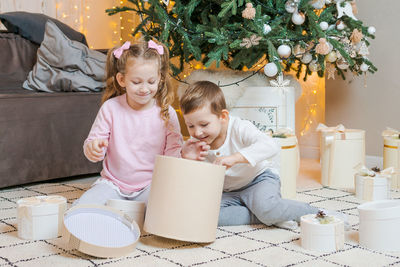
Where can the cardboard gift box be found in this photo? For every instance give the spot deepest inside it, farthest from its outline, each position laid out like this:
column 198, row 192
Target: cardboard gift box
column 372, row 185
column 321, row 235
column 340, row 151
column 184, row 199
column 40, row 217
column 289, row 164
column 391, row 154
column 99, row 231
column 379, row 225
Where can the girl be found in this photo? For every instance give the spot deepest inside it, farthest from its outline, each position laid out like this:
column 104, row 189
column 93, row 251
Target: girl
column 134, row 124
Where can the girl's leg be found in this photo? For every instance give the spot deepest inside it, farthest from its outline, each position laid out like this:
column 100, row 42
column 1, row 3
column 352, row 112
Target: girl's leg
column 263, row 198
column 98, row 194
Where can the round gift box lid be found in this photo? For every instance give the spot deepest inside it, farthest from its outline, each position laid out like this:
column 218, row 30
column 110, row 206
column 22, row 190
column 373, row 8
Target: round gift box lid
column 378, row 180
column 351, row 134
column 379, row 210
column 309, row 222
column 100, row 231
column 391, row 141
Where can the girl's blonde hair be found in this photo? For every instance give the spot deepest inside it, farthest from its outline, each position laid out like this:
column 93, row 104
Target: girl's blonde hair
column 164, row 96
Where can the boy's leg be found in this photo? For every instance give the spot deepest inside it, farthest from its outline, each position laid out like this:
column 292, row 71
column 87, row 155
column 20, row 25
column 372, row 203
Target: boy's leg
column 263, row 198
column 233, row 211
column 98, row 194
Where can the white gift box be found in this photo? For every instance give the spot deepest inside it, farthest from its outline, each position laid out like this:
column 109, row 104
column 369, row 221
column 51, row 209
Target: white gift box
column 379, row 225
column 40, row 217
column 100, row 231
column 134, row 209
column 372, row 188
column 289, row 165
column 340, row 152
column 267, row 107
column 321, row 237
column 184, row 199
column 391, row 157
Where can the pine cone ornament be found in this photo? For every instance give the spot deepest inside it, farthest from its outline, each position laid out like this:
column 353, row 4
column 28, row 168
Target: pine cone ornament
column 323, row 47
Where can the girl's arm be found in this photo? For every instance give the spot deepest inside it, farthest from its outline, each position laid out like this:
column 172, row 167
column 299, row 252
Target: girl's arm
column 174, row 140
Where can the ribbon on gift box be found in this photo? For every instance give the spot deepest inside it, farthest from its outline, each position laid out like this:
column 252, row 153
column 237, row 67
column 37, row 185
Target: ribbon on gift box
column 339, row 236
column 330, row 139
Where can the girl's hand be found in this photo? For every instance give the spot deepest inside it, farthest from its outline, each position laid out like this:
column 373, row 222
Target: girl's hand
column 94, row 150
column 195, row 150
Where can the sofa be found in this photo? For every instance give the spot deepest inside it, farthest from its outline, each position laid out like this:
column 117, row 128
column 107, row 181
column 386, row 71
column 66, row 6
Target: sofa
column 41, row 133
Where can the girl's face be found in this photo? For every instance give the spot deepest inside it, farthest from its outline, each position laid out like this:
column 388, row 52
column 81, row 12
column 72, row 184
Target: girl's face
column 140, row 81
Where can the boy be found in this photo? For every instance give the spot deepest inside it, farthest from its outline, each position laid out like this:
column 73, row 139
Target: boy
column 252, row 186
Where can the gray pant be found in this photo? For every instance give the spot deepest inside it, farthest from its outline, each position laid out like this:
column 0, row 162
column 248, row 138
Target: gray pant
column 260, row 202
column 100, row 193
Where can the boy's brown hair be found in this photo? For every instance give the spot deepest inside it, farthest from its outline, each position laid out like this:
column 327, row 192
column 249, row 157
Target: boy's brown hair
column 201, row 93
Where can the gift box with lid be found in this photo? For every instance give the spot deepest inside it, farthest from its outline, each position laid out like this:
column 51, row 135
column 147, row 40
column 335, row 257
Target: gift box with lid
column 372, row 184
column 341, row 150
column 391, row 154
column 289, row 163
column 321, row 232
column 40, row 217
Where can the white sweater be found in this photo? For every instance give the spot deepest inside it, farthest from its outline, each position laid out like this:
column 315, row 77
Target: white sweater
column 261, row 151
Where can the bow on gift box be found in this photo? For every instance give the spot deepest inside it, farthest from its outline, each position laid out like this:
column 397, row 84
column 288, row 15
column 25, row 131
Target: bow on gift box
column 331, row 136
column 390, row 132
column 364, row 171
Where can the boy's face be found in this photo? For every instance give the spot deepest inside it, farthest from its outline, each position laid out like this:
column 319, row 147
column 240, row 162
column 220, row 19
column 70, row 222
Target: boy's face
column 206, row 126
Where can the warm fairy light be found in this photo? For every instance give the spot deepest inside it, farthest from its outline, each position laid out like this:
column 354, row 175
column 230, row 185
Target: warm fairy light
column 115, row 32
column 122, row 27
column 88, row 17
column 75, row 6
column 64, row 15
column 315, row 91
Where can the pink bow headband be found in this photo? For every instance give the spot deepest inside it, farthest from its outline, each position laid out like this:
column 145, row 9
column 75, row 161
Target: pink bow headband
column 158, row 48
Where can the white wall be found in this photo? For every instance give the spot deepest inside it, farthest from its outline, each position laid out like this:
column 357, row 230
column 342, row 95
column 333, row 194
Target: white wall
column 376, row 106
column 86, row 16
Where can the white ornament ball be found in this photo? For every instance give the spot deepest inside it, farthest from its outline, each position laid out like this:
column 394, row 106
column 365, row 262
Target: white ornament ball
column 307, row 57
column 270, row 69
column 371, row 30
column 318, row 4
column 340, row 26
column 327, row 2
column 298, row 18
column 266, row 29
column 284, row 51
column 324, row 25
column 342, row 64
column 290, row 6
column 314, row 66
column 364, row 67
column 331, row 57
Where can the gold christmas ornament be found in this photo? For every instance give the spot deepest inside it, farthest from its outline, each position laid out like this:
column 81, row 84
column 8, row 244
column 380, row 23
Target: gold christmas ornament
column 249, row 12
column 249, row 42
column 331, row 57
column 356, row 36
column 323, row 47
column 298, row 51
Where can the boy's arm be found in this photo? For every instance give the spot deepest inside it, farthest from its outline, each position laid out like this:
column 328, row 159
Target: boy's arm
column 173, row 143
column 256, row 145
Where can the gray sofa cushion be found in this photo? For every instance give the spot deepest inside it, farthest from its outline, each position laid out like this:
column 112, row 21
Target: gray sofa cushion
column 19, row 55
column 64, row 65
column 32, row 26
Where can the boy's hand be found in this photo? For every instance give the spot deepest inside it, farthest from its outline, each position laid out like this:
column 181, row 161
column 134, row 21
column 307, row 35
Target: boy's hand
column 94, row 150
column 229, row 161
column 195, row 150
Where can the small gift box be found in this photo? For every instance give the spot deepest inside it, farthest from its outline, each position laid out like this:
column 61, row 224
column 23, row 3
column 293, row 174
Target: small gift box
column 290, row 161
column 40, row 217
column 321, row 232
column 379, row 225
column 134, row 209
column 372, row 184
column 391, row 153
column 340, row 150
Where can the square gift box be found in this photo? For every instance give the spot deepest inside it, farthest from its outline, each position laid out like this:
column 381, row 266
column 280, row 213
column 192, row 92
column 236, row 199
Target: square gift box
column 391, row 154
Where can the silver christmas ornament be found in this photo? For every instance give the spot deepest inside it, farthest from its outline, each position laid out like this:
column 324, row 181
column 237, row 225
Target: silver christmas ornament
column 290, row 6
column 306, row 58
column 364, row 67
column 371, row 30
column 266, row 29
column 298, row 18
column 284, row 51
column 324, row 25
column 270, row 69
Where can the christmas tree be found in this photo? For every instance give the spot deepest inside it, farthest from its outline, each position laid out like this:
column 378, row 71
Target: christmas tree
column 323, row 35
